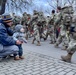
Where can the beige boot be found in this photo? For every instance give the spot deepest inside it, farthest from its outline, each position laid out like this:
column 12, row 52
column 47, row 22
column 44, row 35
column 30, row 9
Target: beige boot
column 38, row 43
column 67, row 58
column 33, row 41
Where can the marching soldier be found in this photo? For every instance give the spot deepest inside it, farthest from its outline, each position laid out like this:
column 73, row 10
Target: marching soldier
column 58, row 21
column 24, row 23
column 35, row 27
column 16, row 20
column 51, row 31
column 71, row 48
column 72, row 44
column 36, row 34
column 24, row 19
column 64, row 28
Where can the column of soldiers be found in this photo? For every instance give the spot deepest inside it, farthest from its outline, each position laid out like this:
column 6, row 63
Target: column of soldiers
column 67, row 32
column 60, row 27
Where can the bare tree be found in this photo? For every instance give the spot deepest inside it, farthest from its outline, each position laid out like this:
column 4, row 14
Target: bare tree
column 2, row 6
column 55, row 3
column 48, row 11
column 17, row 5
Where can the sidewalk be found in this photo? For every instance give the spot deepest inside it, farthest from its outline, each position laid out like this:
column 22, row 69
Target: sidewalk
column 36, row 64
column 39, row 60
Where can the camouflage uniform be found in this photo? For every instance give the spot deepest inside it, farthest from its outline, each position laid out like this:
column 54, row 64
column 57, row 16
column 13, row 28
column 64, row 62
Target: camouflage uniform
column 47, row 20
column 72, row 44
column 36, row 35
column 64, row 29
column 63, row 37
column 71, row 48
column 34, row 22
column 24, row 23
column 34, row 18
column 42, row 25
column 28, row 26
column 16, row 20
column 50, row 27
column 24, row 19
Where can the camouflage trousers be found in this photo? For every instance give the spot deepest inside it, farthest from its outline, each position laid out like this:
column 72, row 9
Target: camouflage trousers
column 59, row 40
column 44, row 34
column 52, row 37
column 36, row 35
column 63, row 39
column 71, row 46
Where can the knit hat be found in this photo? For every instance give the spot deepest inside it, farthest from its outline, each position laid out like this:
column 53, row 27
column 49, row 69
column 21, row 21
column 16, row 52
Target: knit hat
column 6, row 18
column 18, row 27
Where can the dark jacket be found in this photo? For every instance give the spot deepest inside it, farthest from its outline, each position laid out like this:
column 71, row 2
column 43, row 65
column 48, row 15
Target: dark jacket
column 6, row 35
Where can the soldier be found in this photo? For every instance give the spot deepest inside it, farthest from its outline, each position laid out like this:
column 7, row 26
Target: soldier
column 34, row 18
column 47, row 20
column 34, row 22
column 16, row 20
column 13, row 17
column 24, row 19
column 71, row 48
column 72, row 44
column 42, row 25
column 42, row 29
column 28, row 26
column 58, row 21
column 64, row 28
column 36, row 34
column 51, row 27
column 44, row 32
column 24, row 23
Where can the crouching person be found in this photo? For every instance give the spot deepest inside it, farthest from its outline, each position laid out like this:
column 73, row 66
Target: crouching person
column 7, row 44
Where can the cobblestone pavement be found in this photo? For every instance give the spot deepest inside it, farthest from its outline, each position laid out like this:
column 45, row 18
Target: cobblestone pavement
column 36, row 64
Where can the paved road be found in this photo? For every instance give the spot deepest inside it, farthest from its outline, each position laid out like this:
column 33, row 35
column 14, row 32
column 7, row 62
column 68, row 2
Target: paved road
column 43, row 60
column 47, row 49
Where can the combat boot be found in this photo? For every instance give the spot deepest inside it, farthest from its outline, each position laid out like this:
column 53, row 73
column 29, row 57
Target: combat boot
column 38, row 43
column 45, row 39
column 51, row 42
column 33, row 41
column 56, row 45
column 64, row 48
column 67, row 58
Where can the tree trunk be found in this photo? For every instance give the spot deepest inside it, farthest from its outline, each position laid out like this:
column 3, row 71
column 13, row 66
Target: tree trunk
column 2, row 6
